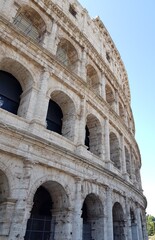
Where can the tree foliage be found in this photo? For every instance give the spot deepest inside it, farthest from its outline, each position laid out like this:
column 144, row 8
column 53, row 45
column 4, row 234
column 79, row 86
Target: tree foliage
column 150, row 225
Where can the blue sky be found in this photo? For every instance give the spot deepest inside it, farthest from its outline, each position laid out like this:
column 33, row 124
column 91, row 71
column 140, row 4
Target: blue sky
column 131, row 24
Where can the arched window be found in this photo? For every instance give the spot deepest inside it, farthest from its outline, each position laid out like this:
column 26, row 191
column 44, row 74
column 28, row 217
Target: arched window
column 54, row 117
column 118, row 222
column 134, row 229
column 114, row 150
column 50, row 207
column 10, row 91
column 30, row 23
column 92, row 212
column 121, row 111
column 61, row 115
column 109, row 95
column 92, row 79
column 39, row 224
column 93, row 135
column 67, row 55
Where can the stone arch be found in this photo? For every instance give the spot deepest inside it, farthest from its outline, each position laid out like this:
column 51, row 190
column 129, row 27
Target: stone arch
column 29, row 21
column 118, row 222
column 23, row 77
column 67, row 54
column 128, row 164
column 67, row 107
column 50, row 211
column 110, row 98
column 9, row 177
column 18, row 70
column 93, row 134
column 133, row 221
column 92, row 215
column 114, row 150
column 93, row 79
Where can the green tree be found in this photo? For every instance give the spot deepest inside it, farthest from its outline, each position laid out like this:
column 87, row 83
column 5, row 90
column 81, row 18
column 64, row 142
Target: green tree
column 150, row 225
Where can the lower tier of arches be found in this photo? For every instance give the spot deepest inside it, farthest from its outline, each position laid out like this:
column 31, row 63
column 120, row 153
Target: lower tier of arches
column 56, row 206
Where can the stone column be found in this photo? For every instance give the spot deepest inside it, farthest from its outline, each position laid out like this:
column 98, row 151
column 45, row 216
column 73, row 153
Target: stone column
column 22, row 212
column 77, row 220
column 51, row 41
column 108, row 232
column 7, row 208
column 130, row 160
column 80, row 133
column 103, row 84
column 28, row 103
column 133, row 167
column 83, row 70
column 85, row 17
column 62, row 221
column 139, row 223
column 128, row 219
column 145, row 234
column 103, row 147
column 42, row 101
column 116, row 103
column 108, row 162
column 123, row 159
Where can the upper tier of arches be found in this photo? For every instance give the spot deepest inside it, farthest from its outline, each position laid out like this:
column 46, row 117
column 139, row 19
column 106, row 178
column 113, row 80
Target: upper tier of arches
column 92, row 32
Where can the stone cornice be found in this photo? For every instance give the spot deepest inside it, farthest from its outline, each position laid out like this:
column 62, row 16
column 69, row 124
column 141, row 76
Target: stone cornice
column 59, row 151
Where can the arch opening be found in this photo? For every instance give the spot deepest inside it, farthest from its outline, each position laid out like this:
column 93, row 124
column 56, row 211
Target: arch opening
column 30, row 23
column 48, row 217
column 114, row 150
column 133, row 225
column 54, row 117
column 92, row 79
column 67, row 55
column 118, row 222
column 10, row 92
column 93, row 135
column 109, row 95
column 121, row 111
column 39, row 224
column 61, row 115
column 92, row 213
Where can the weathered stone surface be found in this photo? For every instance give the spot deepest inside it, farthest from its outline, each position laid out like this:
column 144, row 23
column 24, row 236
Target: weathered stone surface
column 57, row 52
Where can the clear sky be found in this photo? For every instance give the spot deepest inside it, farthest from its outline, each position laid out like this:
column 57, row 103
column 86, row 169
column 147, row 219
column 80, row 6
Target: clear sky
column 131, row 24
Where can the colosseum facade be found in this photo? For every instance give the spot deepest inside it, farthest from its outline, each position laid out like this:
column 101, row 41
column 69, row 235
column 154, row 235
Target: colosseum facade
column 69, row 162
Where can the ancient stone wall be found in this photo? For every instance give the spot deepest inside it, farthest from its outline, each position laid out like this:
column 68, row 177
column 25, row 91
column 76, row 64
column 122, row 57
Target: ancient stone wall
column 69, row 162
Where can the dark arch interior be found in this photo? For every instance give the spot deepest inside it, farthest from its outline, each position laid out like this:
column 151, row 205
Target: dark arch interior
column 84, row 212
column 87, row 137
column 39, row 225
column 10, row 91
column 54, row 117
column 86, row 235
column 132, row 216
column 118, row 222
column 42, row 203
